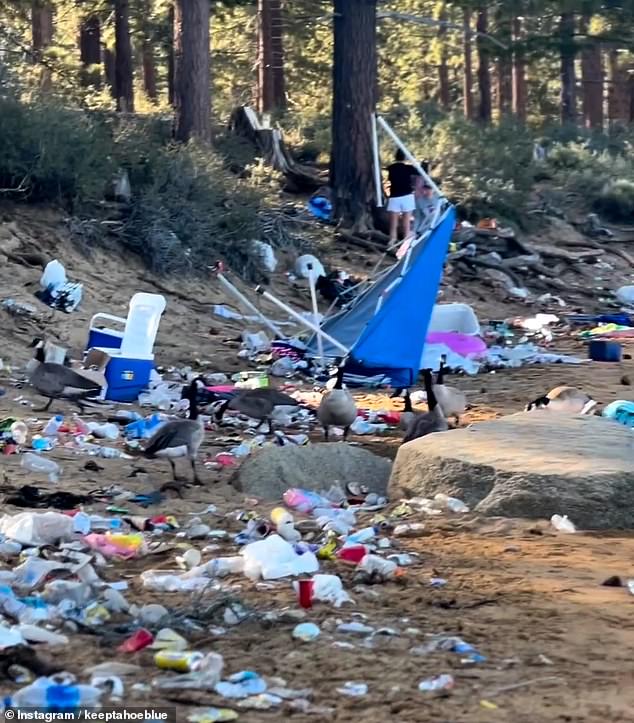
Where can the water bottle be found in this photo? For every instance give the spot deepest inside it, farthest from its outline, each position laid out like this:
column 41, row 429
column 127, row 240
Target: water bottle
column 41, row 465
column 52, row 426
column 362, row 536
column 80, row 426
column 124, row 415
column 562, row 524
column 108, row 453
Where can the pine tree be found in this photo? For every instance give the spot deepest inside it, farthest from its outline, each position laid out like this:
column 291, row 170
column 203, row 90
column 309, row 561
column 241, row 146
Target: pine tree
column 123, row 70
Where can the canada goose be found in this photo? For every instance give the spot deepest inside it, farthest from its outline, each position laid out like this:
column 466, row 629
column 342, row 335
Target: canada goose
column 433, row 421
column 452, row 401
column 258, row 404
column 56, row 381
column 408, row 413
column 337, row 407
column 565, row 400
column 180, row 437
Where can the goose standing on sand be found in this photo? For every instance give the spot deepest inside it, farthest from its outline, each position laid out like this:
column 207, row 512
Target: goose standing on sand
column 565, row 400
column 337, row 407
column 180, row 437
column 452, row 401
column 408, row 414
column 57, row 381
column 432, row 421
column 260, row 404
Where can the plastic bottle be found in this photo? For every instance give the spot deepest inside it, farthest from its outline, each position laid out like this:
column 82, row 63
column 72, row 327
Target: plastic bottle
column 107, row 452
column 52, row 426
column 366, row 534
column 19, row 432
column 453, row 504
column 57, row 693
column 80, row 426
column 41, row 465
column 222, row 566
column 562, row 524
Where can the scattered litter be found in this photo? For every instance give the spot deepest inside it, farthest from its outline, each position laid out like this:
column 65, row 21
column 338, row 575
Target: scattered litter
column 439, row 683
column 354, row 690
column 562, row 524
column 306, row 632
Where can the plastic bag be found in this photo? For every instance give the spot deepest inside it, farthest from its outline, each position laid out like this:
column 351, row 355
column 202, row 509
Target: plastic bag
column 53, row 276
column 265, row 254
column 273, row 558
column 328, row 588
column 37, row 528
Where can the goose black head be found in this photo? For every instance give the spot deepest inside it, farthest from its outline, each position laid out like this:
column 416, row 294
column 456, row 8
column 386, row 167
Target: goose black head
column 37, row 343
column 539, row 403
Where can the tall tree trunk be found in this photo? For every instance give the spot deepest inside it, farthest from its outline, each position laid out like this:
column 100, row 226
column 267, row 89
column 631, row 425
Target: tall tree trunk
column 90, row 51
column 149, row 70
column 271, row 87
column 109, row 70
column 619, row 103
column 170, row 57
column 354, row 99
column 42, row 36
column 265, row 86
column 592, row 81
column 504, row 65
column 277, row 45
column 468, row 65
column 192, row 88
column 568, row 76
column 519, row 72
column 443, row 65
column 123, row 71
column 484, row 72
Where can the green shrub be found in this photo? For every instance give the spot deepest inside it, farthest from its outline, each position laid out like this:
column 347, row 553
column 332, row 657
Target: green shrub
column 616, row 201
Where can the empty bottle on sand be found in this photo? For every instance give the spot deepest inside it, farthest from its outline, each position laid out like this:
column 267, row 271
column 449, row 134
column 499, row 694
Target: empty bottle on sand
column 41, row 465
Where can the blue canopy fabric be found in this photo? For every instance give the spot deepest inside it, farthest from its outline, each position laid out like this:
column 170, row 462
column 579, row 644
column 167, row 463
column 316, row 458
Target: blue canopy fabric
column 389, row 339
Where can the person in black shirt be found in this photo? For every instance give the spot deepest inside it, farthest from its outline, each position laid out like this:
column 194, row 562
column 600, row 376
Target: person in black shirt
column 402, row 202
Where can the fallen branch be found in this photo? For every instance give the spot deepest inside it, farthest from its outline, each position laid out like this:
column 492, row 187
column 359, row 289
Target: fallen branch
column 572, row 256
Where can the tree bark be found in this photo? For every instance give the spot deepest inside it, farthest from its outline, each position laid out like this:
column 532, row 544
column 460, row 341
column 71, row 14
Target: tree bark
column 519, row 72
column 90, row 51
column 170, row 57
column 592, row 81
column 123, row 71
column 504, row 65
column 619, row 102
column 484, row 72
column 568, row 76
column 468, row 65
column 354, row 99
column 42, row 36
column 192, row 85
column 443, row 66
column 109, row 70
column 271, row 86
column 149, row 71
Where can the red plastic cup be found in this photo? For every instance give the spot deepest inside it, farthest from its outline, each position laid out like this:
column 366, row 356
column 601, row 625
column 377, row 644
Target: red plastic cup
column 139, row 640
column 352, row 554
column 305, row 593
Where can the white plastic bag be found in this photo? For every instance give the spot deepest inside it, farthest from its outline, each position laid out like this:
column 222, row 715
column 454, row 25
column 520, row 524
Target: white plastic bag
column 626, row 295
column 265, row 254
column 273, row 558
column 53, row 276
column 37, row 528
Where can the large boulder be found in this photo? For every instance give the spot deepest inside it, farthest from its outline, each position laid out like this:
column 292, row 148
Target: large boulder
column 272, row 470
column 527, row 465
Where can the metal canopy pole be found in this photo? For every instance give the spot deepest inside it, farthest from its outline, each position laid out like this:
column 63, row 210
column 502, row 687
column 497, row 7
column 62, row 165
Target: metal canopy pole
column 239, row 295
column 386, row 127
column 377, row 162
column 298, row 317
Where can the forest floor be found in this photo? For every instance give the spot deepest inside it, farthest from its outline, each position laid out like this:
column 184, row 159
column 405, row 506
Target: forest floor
column 558, row 645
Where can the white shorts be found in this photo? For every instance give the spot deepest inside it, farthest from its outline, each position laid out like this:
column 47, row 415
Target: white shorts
column 402, row 204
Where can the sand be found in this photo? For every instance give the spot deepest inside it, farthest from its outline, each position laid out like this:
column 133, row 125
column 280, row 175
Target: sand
column 529, row 599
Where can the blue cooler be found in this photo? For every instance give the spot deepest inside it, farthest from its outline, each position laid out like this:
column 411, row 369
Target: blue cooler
column 126, row 377
column 103, row 338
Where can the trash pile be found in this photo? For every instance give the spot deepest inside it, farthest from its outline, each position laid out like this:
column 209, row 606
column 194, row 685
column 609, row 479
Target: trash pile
column 60, row 577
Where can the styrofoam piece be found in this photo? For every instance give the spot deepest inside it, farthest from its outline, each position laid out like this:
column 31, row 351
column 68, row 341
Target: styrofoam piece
column 454, row 317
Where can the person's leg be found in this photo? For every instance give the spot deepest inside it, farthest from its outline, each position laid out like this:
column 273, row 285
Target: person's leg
column 407, row 224
column 394, row 215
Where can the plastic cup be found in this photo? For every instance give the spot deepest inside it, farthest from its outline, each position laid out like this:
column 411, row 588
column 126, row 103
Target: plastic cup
column 305, row 593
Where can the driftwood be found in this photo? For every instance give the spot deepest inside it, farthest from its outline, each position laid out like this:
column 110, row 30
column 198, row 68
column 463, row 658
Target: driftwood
column 572, row 256
column 245, row 123
column 355, row 240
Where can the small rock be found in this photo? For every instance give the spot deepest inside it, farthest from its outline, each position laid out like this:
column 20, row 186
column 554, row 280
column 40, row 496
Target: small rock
column 613, row 581
column 625, row 381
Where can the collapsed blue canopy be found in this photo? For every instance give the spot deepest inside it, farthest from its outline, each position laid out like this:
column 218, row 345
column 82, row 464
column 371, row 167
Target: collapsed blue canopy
column 386, row 327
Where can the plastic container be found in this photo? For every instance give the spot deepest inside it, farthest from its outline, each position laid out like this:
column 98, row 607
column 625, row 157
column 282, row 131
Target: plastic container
column 137, row 641
column 53, row 425
column 453, row 504
column 59, row 693
column 605, row 351
column 41, row 465
column 19, row 433
column 352, row 553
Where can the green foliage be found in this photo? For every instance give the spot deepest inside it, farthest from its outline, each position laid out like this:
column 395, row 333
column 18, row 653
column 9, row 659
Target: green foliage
column 487, row 170
column 616, row 200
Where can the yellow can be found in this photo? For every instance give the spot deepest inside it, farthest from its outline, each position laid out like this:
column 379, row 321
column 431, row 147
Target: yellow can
column 279, row 516
column 182, row 661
